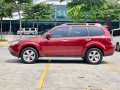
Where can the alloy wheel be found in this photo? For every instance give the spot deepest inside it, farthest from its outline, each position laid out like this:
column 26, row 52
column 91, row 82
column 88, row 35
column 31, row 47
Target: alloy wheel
column 29, row 55
column 94, row 56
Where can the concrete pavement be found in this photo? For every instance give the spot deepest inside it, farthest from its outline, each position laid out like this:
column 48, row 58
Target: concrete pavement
column 62, row 74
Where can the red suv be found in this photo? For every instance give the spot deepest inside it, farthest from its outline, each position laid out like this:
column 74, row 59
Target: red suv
column 89, row 41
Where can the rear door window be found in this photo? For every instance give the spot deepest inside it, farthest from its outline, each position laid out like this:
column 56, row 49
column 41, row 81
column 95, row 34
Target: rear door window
column 79, row 31
column 95, row 31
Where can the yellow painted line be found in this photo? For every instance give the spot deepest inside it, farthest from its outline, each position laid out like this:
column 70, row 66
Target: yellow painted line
column 41, row 80
column 114, row 67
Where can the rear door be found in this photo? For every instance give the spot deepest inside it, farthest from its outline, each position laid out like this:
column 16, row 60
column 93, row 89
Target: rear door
column 77, row 40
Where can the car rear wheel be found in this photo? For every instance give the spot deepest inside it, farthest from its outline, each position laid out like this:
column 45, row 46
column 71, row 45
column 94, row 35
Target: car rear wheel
column 29, row 55
column 94, row 56
column 117, row 47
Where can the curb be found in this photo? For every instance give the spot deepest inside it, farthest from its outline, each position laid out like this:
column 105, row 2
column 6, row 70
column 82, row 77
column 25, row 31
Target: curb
column 3, row 44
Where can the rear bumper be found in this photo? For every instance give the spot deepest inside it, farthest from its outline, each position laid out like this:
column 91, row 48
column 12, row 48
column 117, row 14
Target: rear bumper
column 110, row 49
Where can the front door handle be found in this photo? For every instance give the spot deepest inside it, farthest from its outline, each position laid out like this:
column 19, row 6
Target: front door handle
column 64, row 40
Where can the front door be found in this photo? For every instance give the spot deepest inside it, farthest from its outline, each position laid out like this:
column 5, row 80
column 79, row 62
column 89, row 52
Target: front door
column 57, row 44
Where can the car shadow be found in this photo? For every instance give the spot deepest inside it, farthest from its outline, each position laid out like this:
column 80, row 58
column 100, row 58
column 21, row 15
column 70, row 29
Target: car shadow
column 40, row 61
column 18, row 61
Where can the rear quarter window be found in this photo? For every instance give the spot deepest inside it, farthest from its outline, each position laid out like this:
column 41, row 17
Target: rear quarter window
column 95, row 31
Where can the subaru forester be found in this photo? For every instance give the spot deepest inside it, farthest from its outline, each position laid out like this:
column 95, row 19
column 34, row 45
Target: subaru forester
column 90, row 41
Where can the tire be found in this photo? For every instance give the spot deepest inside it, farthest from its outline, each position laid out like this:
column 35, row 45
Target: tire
column 117, row 47
column 94, row 56
column 29, row 55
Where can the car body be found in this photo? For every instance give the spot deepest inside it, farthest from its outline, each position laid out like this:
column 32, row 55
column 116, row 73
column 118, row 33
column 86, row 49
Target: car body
column 89, row 41
column 116, row 38
column 28, row 31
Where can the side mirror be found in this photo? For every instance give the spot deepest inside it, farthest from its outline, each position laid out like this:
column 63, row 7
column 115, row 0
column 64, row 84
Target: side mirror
column 48, row 36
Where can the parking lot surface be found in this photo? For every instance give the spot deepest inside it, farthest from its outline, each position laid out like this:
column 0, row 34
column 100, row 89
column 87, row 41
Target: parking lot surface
column 58, row 73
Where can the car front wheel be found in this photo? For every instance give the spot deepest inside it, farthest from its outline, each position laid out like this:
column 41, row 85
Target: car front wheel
column 29, row 55
column 94, row 56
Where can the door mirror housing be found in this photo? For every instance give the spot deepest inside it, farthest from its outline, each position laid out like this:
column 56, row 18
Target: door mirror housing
column 48, row 36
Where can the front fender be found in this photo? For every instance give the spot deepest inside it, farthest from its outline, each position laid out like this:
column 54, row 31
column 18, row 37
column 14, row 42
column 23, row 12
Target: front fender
column 29, row 44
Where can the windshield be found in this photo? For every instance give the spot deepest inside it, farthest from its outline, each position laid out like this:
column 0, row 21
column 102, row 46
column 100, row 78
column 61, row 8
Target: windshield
column 43, row 32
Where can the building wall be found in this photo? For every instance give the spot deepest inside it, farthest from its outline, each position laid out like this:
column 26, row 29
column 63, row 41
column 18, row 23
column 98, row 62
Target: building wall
column 59, row 17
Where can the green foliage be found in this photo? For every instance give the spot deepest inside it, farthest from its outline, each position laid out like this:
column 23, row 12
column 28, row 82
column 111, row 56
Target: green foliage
column 112, row 10
column 93, row 9
column 18, row 5
column 5, row 9
column 18, row 1
column 82, row 9
column 28, row 12
column 3, row 40
column 41, row 11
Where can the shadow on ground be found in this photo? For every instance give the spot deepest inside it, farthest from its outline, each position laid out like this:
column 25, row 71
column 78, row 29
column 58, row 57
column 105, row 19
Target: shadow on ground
column 18, row 61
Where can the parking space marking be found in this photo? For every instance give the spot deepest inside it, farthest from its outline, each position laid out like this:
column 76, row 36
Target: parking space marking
column 114, row 67
column 41, row 80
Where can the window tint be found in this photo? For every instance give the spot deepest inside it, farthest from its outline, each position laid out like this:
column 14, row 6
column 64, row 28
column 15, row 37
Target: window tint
column 60, row 32
column 79, row 31
column 95, row 31
column 116, row 33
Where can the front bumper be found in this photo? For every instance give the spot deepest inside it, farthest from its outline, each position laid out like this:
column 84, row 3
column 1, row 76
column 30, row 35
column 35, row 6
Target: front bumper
column 13, row 52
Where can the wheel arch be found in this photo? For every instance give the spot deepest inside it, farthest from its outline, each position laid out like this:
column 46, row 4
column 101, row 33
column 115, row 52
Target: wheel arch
column 31, row 47
column 95, row 47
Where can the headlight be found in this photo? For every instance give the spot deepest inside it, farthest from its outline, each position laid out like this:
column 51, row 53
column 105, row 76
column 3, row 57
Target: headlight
column 13, row 43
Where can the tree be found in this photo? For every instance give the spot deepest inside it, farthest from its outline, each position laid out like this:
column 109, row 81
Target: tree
column 111, row 12
column 18, row 4
column 93, row 9
column 28, row 14
column 40, row 11
column 84, row 9
column 5, row 11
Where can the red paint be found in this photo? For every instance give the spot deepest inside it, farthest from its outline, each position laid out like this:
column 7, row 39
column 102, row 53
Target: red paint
column 66, row 46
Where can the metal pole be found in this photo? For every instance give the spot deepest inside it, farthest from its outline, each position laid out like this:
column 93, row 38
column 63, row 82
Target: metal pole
column 119, row 23
column 10, row 27
column 55, row 16
column 20, row 19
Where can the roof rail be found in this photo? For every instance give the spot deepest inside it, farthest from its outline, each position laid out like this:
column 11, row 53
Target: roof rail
column 81, row 24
